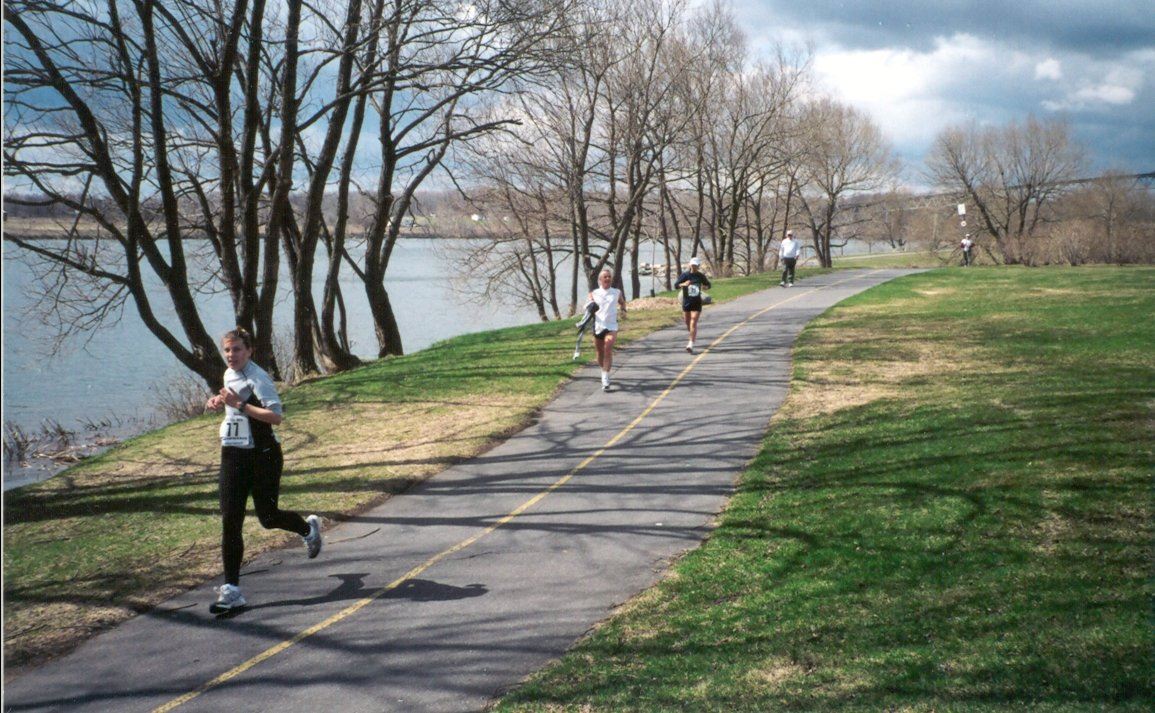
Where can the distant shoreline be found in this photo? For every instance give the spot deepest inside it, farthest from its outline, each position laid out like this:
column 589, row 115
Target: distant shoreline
column 57, row 229
column 8, row 236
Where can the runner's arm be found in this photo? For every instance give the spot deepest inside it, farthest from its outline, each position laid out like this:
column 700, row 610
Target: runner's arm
column 263, row 414
column 260, row 413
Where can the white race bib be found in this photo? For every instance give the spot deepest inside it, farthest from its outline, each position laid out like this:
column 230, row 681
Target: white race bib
column 235, row 431
column 693, row 290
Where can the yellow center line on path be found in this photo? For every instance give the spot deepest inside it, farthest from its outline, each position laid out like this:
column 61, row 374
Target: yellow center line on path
column 419, row 569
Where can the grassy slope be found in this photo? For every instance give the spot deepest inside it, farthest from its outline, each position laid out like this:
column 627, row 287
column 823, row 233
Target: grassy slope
column 952, row 512
column 914, row 258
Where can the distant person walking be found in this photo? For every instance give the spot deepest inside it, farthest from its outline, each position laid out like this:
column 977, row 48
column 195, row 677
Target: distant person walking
column 609, row 300
column 967, row 246
column 788, row 251
column 251, row 463
column 691, row 282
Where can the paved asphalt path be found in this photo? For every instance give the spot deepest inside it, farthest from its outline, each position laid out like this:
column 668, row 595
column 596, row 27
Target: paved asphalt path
column 444, row 597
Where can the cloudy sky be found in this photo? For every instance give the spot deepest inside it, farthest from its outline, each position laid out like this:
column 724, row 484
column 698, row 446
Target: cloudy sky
column 917, row 66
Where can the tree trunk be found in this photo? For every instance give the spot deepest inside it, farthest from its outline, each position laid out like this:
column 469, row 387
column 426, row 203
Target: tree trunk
column 384, row 323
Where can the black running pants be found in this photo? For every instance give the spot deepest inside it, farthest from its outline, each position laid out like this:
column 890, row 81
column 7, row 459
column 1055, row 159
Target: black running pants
column 255, row 471
column 788, row 269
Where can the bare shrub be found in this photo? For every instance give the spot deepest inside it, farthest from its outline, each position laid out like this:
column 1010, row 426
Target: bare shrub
column 17, row 443
column 283, row 349
column 181, row 398
column 56, row 433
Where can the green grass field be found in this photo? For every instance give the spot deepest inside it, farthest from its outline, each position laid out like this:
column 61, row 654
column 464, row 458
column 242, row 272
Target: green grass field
column 952, row 512
column 914, row 258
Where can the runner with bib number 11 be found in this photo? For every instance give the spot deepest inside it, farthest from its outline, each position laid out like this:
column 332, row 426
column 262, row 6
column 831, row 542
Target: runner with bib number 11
column 251, row 463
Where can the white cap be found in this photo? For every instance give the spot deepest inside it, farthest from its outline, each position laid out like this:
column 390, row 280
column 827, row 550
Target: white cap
column 696, row 261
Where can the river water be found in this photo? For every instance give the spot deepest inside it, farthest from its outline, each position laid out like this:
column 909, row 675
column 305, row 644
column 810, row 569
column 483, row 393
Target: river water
column 114, row 378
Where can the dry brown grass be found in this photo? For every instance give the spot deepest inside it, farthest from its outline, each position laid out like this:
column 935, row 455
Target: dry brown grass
column 655, row 303
column 773, row 673
column 845, row 384
column 421, row 438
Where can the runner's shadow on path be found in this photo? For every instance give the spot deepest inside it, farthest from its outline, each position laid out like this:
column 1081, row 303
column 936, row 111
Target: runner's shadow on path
column 352, row 587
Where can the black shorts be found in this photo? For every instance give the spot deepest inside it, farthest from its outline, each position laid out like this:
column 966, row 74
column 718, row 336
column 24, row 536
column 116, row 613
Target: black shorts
column 693, row 304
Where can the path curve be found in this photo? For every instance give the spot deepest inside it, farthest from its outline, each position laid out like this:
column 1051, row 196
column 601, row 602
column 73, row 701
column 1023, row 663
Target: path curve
column 442, row 598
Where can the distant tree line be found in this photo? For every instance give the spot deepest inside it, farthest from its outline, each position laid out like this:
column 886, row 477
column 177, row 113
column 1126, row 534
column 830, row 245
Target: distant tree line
column 1107, row 218
column 1032, row 201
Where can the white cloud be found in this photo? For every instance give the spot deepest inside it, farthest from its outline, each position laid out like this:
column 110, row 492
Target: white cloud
column 911, row 94
column 1111, row 85
column 1049, row 68
column 1086, row 97
column 1129, row 76
column 1106, row 93
column 914, row 94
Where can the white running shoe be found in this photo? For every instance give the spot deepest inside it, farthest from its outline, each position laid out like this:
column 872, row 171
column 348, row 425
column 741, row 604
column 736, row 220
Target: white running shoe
column 313, row 539
column 229, row 598
column 605, row 382
column 689, row 347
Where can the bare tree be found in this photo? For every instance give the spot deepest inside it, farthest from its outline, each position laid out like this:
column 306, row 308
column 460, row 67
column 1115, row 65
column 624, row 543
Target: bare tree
column 637, row 123
column 437, row 63
column 843, row 153
column 1123, row 213
column 524, row 238
column 1011, row 174
column 183, row 120
column 688, row 197
column 649, row 127
column 892, row 219
column 124, row 115
column 312, row 337
column 583, row 159
column 180, row 124
column 1107, row 219
column 747, row 151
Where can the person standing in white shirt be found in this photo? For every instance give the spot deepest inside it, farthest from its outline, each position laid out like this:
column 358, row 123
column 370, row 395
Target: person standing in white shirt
column 967, row 246
column 609, row 300
column 788, row 251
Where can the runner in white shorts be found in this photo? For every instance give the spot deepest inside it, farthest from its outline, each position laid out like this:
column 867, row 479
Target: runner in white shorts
column 609, row 300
